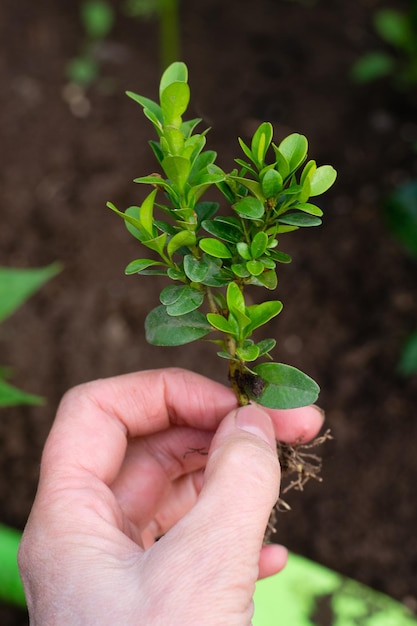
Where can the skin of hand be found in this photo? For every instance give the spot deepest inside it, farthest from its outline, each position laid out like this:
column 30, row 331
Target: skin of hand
column 126, row 463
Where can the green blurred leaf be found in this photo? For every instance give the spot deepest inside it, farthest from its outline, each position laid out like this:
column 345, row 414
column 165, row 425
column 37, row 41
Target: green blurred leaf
column 165, row 330
column 17, row 285
column 394, row 27
column 408, row 361
column 285, row 386
column 401, row 215
column 97, row 17
column 11, row 396
column 372, row 66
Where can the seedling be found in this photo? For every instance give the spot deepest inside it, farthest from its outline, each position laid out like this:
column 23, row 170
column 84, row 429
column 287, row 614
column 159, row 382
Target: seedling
column 212, row 258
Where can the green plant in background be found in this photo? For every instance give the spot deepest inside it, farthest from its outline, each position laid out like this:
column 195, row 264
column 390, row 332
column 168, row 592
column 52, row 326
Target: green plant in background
column 97, row 19
column 16, row 286
column 398, row 29
column 401, row 219
column 167, row 11
column 213, row 258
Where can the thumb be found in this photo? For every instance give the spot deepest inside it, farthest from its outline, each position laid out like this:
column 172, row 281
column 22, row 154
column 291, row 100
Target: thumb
column 241, row 483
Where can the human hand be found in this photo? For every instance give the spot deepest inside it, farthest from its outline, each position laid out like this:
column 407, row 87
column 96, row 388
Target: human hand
column 124, row 464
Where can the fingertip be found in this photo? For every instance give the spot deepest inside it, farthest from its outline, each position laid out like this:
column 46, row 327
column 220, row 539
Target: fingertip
column 272, row 560
column 301, row 424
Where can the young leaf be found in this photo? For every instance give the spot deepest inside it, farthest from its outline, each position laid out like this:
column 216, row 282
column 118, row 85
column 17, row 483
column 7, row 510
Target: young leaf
column 176, row 72
column 266, row 345
column 177, row 170
column 164, row 330
column 215, row 248
column 322, row 179
column 255, row 267
column 234, row 298
column 249, row 352
column 261, row 313
column 184, row 238
column 220, row 323
column 174, row 102
column 137, row 266
column 260, row 142
column 285, row 386
column 294, row 148
column 271, row 183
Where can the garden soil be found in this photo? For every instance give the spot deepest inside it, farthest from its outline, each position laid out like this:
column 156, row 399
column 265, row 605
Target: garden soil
column 350, row 295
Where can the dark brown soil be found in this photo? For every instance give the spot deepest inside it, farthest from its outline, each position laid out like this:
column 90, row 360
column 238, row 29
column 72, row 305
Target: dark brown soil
column 350, row 295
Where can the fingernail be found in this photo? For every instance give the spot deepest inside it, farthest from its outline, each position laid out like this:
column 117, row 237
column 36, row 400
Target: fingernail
column 321, row 411
column 253, row 420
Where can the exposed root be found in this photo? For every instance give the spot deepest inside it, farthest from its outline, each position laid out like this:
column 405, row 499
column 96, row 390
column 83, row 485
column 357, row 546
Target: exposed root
column 297, row 466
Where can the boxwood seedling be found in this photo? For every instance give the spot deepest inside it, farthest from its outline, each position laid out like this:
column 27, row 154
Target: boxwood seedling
column 212, row 257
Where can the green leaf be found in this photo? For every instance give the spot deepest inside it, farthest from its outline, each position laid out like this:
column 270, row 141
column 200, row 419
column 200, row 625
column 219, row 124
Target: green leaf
column 255, row 267
column 184, row 238
column 17, row 285
column 259, row 244
column 165, row 330
column 240, row 270
column 261, row 141
column 306, row 207
column 220, row 323
column 215, row 248
column 146, row 213
column 205, row 210
column 300, row 220
column 372, row 66
column 222, row 230
column 244, row 250
column 260, row 314
column 137, row 266
column 394, row 27
column 177, row 170
column 11, row 396
column 271, row 183
column 234, row 298
column 294, row 148
column 280, row 257
column 267, row 279
column 131, row 220
column 157, row 244
column 97, row 17
column 146, row 103
column 266, row 345
column 174, row 102
column 401, row 216
column 176, row 72
column 408, row 361
column 195, row 269
column 246, row 150
column 282, row 165
column 189, row 299
column 250, row 208
column 249, row 352
column 322, row 179
column 285, row 386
